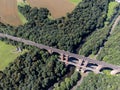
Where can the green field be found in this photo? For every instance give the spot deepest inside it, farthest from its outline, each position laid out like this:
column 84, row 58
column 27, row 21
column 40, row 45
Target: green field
column 22, row 18
column 8, row 54
column 111, row 9
column 75, row 1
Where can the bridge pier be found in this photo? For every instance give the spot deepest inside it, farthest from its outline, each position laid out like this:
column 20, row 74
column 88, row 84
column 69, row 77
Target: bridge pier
column 50, row 51
column 66, row 59
column 83, row 70
column 97, row 70
column 79, row 64
column 62, row 57
column 84, row 66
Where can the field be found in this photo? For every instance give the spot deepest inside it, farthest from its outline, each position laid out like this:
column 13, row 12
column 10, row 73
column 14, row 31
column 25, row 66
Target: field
column 9, row 12
column 111, row 9
column 22, row 18
column 75, row 1
column 8, row 54
column 57, row 8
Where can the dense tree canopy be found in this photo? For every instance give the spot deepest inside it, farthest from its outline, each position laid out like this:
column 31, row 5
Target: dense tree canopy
column 68, row 83
column 94, row 41
column 100, row 82
column 35, row 70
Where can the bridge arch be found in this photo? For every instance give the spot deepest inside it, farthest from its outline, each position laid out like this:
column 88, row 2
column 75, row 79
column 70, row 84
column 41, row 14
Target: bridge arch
column 88, row 70
column 73, row 59
column 105, row 68
column 92, row 65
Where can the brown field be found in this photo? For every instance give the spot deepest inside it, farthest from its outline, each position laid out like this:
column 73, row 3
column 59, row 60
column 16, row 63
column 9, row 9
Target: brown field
column 57, row 8
column 9, row 12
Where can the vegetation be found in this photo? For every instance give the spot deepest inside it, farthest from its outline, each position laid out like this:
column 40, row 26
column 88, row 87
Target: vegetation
column 8, row 53
column 100, row 82
column 35, row 70
column 22, row 18
column 75, row 1
column 112, row 9
column 94, row 41
column 110, row 52
column 68, row 82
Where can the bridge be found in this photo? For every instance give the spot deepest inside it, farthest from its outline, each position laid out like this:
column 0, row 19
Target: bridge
column 81, row 63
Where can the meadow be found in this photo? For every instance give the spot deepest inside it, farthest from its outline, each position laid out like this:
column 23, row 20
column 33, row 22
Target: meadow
column 8, row 54
column 111, row 9
column 21, row 16
column 75, row 1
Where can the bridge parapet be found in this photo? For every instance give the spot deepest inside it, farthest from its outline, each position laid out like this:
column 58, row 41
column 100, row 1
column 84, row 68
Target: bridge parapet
column 97, row 70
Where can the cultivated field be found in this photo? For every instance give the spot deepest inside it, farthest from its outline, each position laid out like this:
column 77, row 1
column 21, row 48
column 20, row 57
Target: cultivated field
column 9, row 12
column 57, row 8
column 8, row 54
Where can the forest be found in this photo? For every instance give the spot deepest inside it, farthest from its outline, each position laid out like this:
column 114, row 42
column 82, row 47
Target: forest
column 32, row 71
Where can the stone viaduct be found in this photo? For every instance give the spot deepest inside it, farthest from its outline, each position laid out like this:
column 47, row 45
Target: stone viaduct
column 81, row 63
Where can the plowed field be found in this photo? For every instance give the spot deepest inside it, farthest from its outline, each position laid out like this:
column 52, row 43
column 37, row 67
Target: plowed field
column 9, row 12
column 57, row 8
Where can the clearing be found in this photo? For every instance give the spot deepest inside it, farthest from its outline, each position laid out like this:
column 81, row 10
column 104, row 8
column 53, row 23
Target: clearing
column 8, row 54
column 9, row 12
column 57, row 8
column 111, row 9
column 21, row 16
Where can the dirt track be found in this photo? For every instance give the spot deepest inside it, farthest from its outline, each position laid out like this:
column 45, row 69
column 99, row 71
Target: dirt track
column 57, row 8
column 9, row 13
column 111, row 31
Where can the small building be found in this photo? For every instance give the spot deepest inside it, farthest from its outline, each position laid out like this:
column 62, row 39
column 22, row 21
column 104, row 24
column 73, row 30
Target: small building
column 117, row 1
